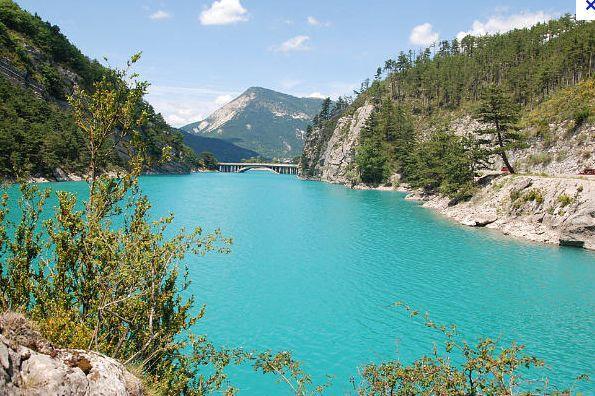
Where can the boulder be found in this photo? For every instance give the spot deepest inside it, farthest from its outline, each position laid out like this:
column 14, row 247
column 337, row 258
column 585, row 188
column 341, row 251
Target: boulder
column 31, row 366
column 571, row 240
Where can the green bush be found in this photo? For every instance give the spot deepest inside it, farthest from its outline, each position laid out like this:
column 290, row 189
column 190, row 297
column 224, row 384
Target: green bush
column 565, row 200
column 581, row 116
column 533, row 195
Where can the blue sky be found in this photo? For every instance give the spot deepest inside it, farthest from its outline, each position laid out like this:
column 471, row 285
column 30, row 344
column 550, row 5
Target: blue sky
column 198, row 54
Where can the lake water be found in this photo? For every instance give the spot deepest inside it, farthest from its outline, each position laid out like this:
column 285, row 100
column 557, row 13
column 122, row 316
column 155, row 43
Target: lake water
column 315, row 268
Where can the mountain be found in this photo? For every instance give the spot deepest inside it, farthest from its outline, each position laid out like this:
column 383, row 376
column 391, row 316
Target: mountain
column 38, row 69
column 223, row 150
column 271, row 123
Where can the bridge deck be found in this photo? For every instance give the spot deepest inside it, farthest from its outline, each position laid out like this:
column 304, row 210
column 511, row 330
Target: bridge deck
column 256, row 164
column 240, row 167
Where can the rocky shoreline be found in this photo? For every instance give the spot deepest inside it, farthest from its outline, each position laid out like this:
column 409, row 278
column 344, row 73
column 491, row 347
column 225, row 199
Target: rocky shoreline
column 550, row 210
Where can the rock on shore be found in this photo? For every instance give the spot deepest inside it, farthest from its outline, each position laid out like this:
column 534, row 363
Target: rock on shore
column 542, row 209
column 31, row 366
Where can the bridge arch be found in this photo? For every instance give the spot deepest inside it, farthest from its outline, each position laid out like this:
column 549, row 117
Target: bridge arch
column 248, row 168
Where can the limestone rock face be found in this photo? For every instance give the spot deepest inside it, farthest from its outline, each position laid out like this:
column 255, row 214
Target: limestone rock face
column 542, row 209
column 30, row 366
column 331, row 157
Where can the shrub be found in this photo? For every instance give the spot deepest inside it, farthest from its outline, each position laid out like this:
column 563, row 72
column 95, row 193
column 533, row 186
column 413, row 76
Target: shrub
column 540, row 159
column 581, row 116
column 565, row 200
column 101, row 275
column 534, row 195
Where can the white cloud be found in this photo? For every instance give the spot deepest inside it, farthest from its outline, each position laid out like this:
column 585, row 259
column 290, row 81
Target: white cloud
column 315, row 22
column 159, row 15
column 317, row 95
column 182, row 105
column 224, row 12
column 502, row 24
column 290, row 83
column 332, row 90
column 423, row 35
column 223, row 99
column 297, row 43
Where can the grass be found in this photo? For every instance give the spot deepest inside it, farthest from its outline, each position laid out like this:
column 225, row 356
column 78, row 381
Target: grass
column 519, row 199
column 534, row 195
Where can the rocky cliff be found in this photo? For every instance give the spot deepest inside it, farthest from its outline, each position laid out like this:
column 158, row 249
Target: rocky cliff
column 331, row 157
column 31, row 366
column 554, row 210
column 549, row 203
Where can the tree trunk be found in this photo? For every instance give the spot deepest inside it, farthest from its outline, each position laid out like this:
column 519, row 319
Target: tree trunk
column 503, row 153
column 505, row 159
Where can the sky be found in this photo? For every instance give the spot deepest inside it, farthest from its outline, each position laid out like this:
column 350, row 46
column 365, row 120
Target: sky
column 200, row 54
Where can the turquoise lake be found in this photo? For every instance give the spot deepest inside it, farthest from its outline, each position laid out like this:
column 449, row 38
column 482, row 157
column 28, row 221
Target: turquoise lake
column 315, row 268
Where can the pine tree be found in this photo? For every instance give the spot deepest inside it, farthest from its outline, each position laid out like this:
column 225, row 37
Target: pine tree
column 500, row 114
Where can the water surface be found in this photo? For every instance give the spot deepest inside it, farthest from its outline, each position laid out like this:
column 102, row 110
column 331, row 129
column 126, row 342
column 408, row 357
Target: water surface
column 315, row 268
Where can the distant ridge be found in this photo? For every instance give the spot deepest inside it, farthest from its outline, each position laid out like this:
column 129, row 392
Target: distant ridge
column 271, row 123
column 222, row 149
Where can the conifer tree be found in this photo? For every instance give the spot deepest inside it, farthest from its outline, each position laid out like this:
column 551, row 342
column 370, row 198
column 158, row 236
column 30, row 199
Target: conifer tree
column 500, row 114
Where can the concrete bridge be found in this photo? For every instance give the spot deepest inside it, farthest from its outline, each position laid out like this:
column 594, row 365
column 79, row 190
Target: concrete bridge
column 241, row 167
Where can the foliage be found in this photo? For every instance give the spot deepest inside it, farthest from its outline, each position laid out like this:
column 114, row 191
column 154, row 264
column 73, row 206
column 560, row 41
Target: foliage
column 100, row 274
column 208, row 161
column 504, row 73
column 222, row 149
column 534, row 195
column 386, row 143
column 569, row 103
column 565, row 200
column 581, row 116
column 47, row 40
column 531, row 63
column 444, row 163
column 498, row 112
column 371, row 156
column 37, row 131
column 486, row 368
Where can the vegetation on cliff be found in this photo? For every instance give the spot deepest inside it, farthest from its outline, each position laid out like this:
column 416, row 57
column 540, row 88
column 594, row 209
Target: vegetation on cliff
column 39, row 69
column 498, row 80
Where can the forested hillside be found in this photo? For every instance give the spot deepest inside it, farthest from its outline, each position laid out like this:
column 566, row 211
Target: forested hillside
column 426, row 121
column 223, row 150
column 38, row 69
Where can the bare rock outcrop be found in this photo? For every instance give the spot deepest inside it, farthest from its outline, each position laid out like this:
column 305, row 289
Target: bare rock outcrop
column 554, row 210
column 31, row 366
column 340, row 150
column 331, row 157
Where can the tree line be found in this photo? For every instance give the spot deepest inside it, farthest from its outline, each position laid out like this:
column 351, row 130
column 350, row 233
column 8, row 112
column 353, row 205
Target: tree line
column 528, row 63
